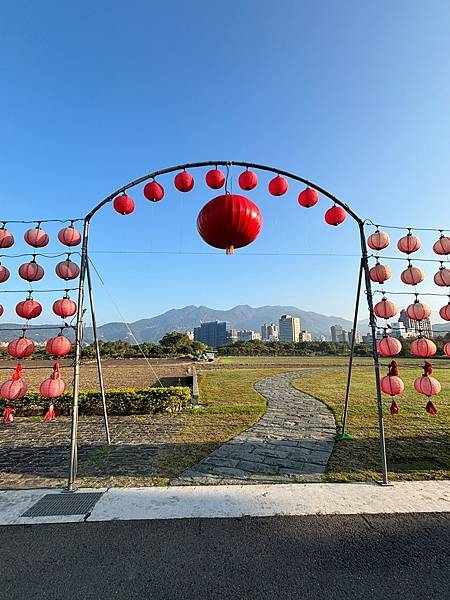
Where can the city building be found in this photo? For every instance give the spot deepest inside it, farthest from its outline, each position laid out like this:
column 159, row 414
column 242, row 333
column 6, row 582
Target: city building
column 247, row 335
column 416, row 328
column 358, row 337
column 338, row 334
column 289, row 328
column 305, row 336
column 269, row 332
column 190, row 334
column 214, row 334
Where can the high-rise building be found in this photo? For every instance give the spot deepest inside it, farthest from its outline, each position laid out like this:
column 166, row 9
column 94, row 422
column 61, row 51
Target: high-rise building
column 247, row 335
column 269, row 332
column 358, row 337
column 306, row 336
column 423, row 327
column 289, row 328
column 338, row 334
column 214, row 334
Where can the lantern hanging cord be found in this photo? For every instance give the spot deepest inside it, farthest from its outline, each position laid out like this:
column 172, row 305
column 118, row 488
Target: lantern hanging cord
column 386, row 293
column 36, row 367
column 40, row 221
column 37, row 291
column 409, row 258
column 409, row 229
column 172, row 252
column 36, row 328
column 42, row 254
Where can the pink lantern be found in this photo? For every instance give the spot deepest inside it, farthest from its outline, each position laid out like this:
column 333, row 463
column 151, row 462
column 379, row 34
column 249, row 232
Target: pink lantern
column 67, row 269
column 31, row 271
column 36, row 237
column 412, row 276
column 58, row 346
column 65, row 307
column 4, row 274
column 442, row 277
column 428, row 386
column 278, row 186
column 28, row 309
column 418, row 311
column 388, row 346
column 308, row 198
column 15, row 387
column 1, row 310
column 21, row 348
column 423, row 347
column 447, row 349
column 442, row 245
column 6, row 238
column 54, row 386
column 379, row 240
column 380, row 273
column 69, row 236
column 444, row 312
column 392, row 385
column 385, row 309
column 409, row 244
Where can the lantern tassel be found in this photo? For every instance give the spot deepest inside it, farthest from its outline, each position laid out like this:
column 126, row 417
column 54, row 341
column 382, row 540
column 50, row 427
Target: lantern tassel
column 50, row 414
column 8, row 415
column 427, row 368
column 393, row 369
column 230, row 250
column 431, row 409
column 394, row 408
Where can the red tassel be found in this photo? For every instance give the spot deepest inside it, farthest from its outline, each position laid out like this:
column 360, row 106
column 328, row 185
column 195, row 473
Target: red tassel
column 56, row 372
column 431, row 409
column 427, row 368
column 50, row 414
column 394, row 408
column 8, row 415
column 393, row 369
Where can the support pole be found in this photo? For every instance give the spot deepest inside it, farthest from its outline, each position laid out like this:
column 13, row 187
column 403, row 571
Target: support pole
column 97, row 351
column 344, row 434
column 76, row 368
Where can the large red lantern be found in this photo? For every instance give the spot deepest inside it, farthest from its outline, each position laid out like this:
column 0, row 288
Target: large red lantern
column 442, row 245
column 278, row 186
column 28, row 309
column 54, row 386
column 36, row 237
column 409, row 244
column 388, row 346
column 58, row 346
column 6, row 238
column 385, row 309
column 15, row 387
column 335, row 215
column 308, row 198
column 65, row 307
column 248, row 180
column 379, row 240
column 418, row 311
column 428, row 386
column 184, row 182
column 229, row 221
column 21, row 348
column 154, row 191
column 412, row 275
column 4, row 274
column 423, row 347
column 392, row 385
column 444, row 312
column 31, row 271
column 380, row 273
column 447, row 349
column 215, row 179
column 123, row 204
column 69, row 236
column 67, row 269
column 442, row 277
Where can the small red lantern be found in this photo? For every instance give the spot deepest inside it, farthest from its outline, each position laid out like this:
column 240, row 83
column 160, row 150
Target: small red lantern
column 28, row 309
column 385, row 309
column 1, row 310
column 6, row 238
column 418, row 311
column 67, row 269
column 184, row 182
column 423, row 347
column 21, row 348
column 278, row 186
column 4, row 274
column 229, row 221
column 379, row 240
column 380, row 273
column 412, row 276
column 65, row 307
column 69, row 236
column 388, row 346
column 215, row 179
column 428, row 386
column 444, row 312
column 31, row 271
column 308, row 197
column 447, row 349
column 123, row 204
column 392, row 385
column 54, row 386
column 442, row 277
column 409, row 244
column 154, row 191
column 36, row 237
column 15, row 387
column 335, row 215
column 58, row 346
column 442, row 245
column 248, row 180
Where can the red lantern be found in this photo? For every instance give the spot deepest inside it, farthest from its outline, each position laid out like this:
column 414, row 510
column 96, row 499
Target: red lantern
column 21, row 348
column 4, row 274
column 36, row 237
column 6, row 238
column 308, row 198
column 418, row 311
column 278, row 186
column 423, row 347
column 412, row 276
column 409, row 244
column 248, row 180
column 65, row 307
column 444, row 312
column 28, row 309
column 392, row 385
column 153, row 191
column 335, row 215
column 1, row 310
column 69, row 236
column 442, row 277
column 229, row 221
column 15, row 387
column 385, row 309
column 442, row 245
column 123, row 204
column 447, row 349
column 54, row 386
column 58, row 346
column 215, row 179
column 388, row 346
column 379, row 240
column 380, row 273
column 184, row 182
column 428, row 386
column 31, row 271
column 67, row 269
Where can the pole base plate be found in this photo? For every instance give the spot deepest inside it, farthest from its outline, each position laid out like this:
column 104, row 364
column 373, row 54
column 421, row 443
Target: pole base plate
column 339, row 437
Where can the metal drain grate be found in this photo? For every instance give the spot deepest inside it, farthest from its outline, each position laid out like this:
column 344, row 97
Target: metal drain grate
column 63, row 504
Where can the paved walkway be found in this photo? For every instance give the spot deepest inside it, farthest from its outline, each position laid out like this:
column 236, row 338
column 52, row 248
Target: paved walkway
column 291, row 442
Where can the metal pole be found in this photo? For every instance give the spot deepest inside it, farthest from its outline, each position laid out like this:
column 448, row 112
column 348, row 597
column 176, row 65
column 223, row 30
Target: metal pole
column 97, row 351
column 376, row 363
column 344, row 435
column 76, row 368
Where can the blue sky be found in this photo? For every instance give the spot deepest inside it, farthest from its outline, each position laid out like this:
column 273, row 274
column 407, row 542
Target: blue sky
column 353, row 95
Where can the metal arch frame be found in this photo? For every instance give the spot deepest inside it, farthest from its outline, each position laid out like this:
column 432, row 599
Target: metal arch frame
column 85, row 273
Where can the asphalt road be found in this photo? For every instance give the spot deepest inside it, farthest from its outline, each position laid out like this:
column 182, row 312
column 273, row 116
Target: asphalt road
column 382, row 556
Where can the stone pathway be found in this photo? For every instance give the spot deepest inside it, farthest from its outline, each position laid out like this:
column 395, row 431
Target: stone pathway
column 291, row 442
